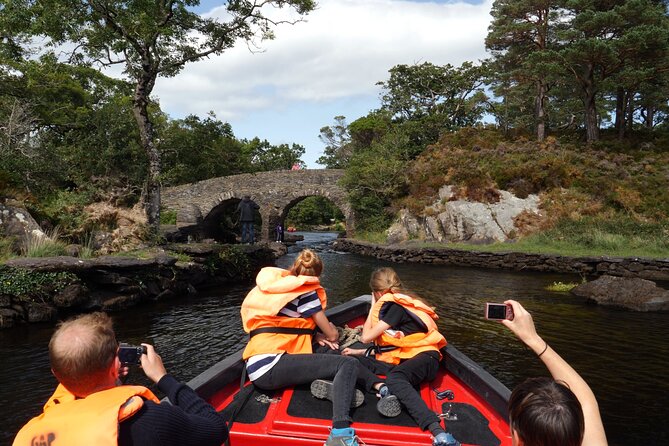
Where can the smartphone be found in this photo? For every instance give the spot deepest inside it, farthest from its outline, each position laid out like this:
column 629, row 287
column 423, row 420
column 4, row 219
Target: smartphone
column 130, row 354
column 498, row 312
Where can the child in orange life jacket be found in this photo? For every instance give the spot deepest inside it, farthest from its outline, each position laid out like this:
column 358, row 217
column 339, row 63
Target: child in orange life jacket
column 399, row 320
column 280, row 315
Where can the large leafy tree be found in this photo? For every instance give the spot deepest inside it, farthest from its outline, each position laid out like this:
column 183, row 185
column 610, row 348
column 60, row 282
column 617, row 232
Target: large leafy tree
column 149, row 38
column 337, row 142
column 195, row 149
column 522, row 41
column 264, row 156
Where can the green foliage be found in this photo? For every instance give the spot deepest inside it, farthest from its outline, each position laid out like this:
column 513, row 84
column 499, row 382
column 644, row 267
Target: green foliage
column 561, row 287
column 33, row 284
column 232, row 261
column 194, row 149
column 264, row 156
column 180, row 256
column 337, row 142
column 65, row 209
column 313, row 211
column 6, row 248
column 48, row 245
column 168, row 217
column 375, row 177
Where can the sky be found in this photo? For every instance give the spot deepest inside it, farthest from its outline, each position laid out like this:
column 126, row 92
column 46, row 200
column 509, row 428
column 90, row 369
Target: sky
column 325, row 66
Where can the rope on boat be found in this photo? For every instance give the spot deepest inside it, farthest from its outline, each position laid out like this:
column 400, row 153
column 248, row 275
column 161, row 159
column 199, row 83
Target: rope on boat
column 348, row 336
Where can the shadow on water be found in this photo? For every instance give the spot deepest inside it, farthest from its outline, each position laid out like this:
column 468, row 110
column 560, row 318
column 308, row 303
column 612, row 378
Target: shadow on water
column 622, row 355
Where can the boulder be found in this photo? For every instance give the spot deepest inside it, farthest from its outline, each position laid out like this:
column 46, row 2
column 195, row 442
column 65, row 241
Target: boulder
column 450, row 219
column 631, row 293
column 73, row 295
column 17, row 222
column 405, row 228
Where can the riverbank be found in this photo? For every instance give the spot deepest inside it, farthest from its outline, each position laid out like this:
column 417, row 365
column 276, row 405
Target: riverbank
column 650, row 269
column 49, row 288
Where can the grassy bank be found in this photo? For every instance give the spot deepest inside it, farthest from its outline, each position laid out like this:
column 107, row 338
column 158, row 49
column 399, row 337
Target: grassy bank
column 586, row 237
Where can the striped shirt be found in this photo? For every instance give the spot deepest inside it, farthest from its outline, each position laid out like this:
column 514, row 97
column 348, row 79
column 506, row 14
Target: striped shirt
column 303, row 306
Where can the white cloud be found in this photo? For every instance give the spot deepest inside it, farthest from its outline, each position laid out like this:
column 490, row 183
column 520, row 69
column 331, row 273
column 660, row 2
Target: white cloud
column 341, row 50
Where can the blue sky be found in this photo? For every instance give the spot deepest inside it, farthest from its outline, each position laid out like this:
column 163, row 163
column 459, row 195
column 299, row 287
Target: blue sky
column 325, row 66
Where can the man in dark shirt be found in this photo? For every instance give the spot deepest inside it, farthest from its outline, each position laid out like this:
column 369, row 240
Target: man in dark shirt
column 91, row 407
column 247, row 209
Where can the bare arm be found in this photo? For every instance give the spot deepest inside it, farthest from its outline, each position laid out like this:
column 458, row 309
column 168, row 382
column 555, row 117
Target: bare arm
column 522, row 326
column 329, row 331
column 370, row 331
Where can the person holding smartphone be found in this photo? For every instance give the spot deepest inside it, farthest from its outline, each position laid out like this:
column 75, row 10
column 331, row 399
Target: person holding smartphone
column 90, row 406
column 561, row 411
column 407, row 343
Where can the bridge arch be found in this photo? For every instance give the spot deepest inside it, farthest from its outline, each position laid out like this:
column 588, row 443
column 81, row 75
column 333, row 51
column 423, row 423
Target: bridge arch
column 275, row 192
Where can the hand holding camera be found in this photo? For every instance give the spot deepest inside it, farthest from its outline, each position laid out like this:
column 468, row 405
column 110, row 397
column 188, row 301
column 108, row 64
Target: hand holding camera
column 499, row 312
column 145, row 356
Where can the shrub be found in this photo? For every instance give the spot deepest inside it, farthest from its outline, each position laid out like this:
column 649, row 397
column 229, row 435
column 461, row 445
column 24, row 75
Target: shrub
column 33, row 284
column 43, row 245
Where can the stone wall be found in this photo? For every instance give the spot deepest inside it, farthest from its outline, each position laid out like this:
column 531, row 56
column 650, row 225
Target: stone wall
column 114, row 283
column 651, row 269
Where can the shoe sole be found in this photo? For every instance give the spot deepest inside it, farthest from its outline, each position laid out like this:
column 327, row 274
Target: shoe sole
column 389, row 406
column 324, row 390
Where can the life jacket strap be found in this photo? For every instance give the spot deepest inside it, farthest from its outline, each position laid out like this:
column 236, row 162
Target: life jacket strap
column 283, row 330
column 376, row 349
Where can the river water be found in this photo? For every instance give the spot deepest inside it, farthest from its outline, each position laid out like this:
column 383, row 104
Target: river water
column 623, row 355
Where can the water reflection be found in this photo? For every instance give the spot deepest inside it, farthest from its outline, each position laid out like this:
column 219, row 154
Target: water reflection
column 623, row 355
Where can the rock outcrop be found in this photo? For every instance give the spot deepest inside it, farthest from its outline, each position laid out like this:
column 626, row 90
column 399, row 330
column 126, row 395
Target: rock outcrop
column 17, row 222
column 631, row 293
column 456, row 220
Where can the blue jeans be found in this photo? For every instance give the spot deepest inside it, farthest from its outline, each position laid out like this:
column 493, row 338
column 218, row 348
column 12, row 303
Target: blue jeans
column 247, row 232
column 293, row 370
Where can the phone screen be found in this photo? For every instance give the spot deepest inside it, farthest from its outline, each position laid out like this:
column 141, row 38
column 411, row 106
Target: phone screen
column 496, row 311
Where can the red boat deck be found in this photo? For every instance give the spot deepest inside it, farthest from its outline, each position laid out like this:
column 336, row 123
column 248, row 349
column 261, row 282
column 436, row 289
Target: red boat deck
column 294, row 417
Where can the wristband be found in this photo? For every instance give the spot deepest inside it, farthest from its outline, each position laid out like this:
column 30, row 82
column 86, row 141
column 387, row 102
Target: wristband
column 543, row 351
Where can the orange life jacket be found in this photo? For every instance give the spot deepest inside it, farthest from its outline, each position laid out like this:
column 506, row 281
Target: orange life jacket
column 275, row 287
column 94, row 420
column 410, row 345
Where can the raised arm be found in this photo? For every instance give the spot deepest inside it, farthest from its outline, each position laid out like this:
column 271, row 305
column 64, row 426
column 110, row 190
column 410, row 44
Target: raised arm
column 522, row 326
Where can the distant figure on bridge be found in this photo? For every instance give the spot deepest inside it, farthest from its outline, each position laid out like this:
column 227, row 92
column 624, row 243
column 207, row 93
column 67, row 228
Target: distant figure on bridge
column 279, row 233
column 296, row 166
column 246, row 209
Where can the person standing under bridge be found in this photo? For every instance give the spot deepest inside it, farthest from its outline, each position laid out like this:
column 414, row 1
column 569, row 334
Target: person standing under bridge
column 246, row 209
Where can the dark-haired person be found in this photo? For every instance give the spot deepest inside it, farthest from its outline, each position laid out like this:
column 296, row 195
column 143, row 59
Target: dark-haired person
column 280, row 315
column 557, row 411
column 402, row 320
column 89, row 407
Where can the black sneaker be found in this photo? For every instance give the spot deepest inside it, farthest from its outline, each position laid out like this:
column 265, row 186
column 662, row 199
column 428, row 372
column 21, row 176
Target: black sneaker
column 389, row 406
column 324, row 390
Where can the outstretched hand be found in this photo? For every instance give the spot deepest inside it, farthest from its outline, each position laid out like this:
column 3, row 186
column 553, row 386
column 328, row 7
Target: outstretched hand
column 152, row 364
column 522, row 326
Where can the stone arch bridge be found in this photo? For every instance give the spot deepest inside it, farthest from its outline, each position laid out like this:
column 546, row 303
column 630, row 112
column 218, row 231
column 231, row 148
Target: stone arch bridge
column 202, row 205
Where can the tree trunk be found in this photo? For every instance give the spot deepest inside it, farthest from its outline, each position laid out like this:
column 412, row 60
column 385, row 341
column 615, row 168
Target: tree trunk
column 151, row 195
column 630, row 112
column 540, row 111
column 650, row 117
column 590, row 108
column 620, row 113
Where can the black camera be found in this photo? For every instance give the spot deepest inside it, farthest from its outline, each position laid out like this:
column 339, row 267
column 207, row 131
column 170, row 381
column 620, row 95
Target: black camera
column 130, row 354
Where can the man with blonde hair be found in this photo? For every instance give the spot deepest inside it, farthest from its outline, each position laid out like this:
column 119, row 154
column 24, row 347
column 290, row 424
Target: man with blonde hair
column 91, row 407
